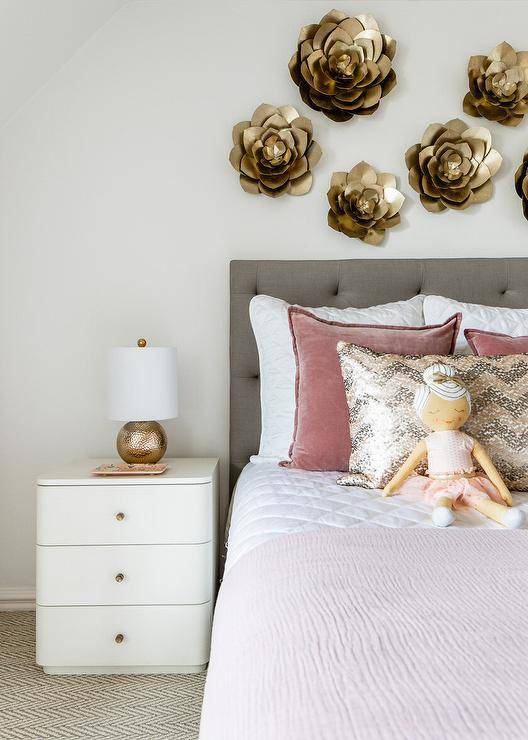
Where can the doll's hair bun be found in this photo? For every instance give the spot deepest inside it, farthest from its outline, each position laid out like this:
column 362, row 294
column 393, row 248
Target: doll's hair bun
column 435, row 372
column 442, row 380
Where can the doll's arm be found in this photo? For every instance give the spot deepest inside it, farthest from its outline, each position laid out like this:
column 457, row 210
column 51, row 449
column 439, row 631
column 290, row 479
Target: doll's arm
column 417, row 455
column 484, row 460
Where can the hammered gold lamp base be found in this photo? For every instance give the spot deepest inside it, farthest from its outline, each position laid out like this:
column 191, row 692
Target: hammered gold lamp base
column 141, row 442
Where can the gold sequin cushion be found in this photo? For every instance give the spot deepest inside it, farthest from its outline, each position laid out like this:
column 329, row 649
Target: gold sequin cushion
column 384, row 427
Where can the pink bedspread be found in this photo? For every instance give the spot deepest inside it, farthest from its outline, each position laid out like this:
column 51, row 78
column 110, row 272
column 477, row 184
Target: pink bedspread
column 373, row 634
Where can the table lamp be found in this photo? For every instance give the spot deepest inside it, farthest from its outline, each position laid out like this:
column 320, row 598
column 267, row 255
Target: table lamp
column 142, row 389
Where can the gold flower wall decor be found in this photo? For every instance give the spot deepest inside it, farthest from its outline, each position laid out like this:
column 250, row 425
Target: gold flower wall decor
column 342, row 65
column 275, row 152
column 452, row 166
column 498, row 85
column 521, row 184
column 364, row 203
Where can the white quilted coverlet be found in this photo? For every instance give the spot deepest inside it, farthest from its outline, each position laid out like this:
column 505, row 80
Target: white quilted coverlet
column 270, row 501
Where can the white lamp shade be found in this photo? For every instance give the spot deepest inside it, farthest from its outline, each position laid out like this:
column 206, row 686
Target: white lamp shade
column 142, row 383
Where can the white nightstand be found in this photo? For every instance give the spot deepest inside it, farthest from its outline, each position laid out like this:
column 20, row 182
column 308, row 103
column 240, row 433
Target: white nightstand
column 126, row 569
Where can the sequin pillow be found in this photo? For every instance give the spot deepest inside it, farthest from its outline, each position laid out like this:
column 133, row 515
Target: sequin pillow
column 384, row 427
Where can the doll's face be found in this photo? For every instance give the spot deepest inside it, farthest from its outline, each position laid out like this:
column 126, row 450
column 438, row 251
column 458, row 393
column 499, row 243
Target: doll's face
column 441, row 414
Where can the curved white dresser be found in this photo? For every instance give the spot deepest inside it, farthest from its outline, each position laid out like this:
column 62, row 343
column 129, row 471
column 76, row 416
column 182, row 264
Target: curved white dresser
column 126, row 569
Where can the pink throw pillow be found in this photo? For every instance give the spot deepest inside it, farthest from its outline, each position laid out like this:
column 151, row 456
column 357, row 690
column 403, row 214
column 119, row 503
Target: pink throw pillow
column 321, row 438
column 494, row 344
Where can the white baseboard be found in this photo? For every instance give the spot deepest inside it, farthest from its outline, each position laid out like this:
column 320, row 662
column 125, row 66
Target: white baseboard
column 17, row 599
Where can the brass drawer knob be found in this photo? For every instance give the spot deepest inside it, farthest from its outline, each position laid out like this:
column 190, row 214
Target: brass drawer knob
column 120, row 516
column 119, row 638
column 120, row 577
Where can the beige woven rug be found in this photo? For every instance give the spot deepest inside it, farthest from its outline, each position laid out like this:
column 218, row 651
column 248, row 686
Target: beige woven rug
column 40, row 707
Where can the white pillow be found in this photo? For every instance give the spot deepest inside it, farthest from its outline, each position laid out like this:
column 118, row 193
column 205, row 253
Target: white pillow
column 512, row 321
column 269, row 319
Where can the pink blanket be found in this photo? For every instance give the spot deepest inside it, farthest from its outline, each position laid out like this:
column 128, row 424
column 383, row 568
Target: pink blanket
column 373, row 634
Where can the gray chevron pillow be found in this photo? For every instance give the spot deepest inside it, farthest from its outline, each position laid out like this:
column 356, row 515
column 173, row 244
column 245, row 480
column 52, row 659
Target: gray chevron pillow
column 384, row 427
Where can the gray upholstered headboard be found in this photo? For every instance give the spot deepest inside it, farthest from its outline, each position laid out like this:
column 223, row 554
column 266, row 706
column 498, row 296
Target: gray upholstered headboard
column 495, row 282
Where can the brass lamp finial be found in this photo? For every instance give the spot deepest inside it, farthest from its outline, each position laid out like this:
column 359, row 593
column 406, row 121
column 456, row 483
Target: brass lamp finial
column 141, row 342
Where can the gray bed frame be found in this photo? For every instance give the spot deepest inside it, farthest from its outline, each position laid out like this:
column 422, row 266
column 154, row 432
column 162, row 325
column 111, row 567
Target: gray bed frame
column 341, row 283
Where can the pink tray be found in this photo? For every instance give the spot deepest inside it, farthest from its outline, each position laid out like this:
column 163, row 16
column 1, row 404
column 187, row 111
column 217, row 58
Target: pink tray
column 130, row 469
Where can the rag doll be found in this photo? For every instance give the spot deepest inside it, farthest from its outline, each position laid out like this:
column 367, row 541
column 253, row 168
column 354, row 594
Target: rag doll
column 443, row 404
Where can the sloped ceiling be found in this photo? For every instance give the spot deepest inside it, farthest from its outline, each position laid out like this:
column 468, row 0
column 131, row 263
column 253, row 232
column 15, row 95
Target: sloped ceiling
column 37, row 37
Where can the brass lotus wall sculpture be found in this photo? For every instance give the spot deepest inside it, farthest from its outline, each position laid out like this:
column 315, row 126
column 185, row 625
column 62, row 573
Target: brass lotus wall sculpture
column 275, row 152
column 521, row 184
column 452, row 166
column 342, row 65
column 364, row 203
column 498, row 85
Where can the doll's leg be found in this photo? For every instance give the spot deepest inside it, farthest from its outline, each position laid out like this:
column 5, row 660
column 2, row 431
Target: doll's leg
column 512, row 518
column 442, row 513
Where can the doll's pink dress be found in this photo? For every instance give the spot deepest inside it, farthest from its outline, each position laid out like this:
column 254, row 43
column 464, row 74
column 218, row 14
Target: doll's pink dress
column 449, row 454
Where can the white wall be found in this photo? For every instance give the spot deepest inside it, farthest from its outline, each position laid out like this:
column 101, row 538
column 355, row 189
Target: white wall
column 119, row 212
column 37, row 38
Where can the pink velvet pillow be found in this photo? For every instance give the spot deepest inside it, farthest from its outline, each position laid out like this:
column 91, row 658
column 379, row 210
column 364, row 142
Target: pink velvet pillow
column 493, row 344
column 321, row 434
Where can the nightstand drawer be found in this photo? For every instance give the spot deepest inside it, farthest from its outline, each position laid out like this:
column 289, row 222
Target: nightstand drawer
column 123, row 635
column 118, row 515
column 131, row 574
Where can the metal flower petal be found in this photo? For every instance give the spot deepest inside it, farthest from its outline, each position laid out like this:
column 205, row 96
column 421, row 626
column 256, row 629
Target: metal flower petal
column 343, row 65
column 364, row 203
column 274, row 152
column 521, row 184
column 453, row 165
column 498, row 85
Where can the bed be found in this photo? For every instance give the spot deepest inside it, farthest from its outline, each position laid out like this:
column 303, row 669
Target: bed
column 344, row 615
